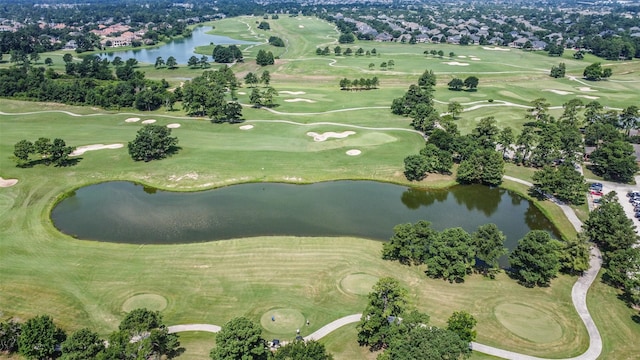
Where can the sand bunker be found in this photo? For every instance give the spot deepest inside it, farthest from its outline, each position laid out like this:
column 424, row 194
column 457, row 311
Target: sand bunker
column 354, row 152
column 301, row 26
column 588, row 97
column 455, row 63
column 150, row 121
column 292, row 92
column 299, row 99
column 475, row 59
column 495, row 48
column 246, row 127
column 82, row 149
column 559, row 92
column 462, row 56
column 242, row 93
column 7, row 182
column 173, row 126
column 130, row 120
column 330, row 134
column 586, row 89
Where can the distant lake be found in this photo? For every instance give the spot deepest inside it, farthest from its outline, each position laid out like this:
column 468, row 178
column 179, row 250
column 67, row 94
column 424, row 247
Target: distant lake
column 181, row 49
column 126, row 212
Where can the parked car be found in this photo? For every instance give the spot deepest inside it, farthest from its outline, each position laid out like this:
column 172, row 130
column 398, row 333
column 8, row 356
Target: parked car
column 597, row 200
column 596, row 192
column 633, row 194
column 596, row 186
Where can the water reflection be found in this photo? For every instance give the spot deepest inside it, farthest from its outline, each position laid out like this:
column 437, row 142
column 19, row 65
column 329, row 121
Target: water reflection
column 414, row 198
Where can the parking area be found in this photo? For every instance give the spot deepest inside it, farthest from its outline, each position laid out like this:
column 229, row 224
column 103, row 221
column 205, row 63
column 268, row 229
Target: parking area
column 597, row 189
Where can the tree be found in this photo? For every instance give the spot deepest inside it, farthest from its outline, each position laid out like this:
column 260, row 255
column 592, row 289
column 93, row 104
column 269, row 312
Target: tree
column 455, row 84
column 535, row 260
column 630, row 118
column 415, row 167
column 265, row 78
column 450, row 256
column 594, row 72
column 9, row 334
column 233, row 112
column 193, row 61
column 302, row 350
column 276, row 41
column 67, row 58
column 488, row 242
column 609, row 227
column 152, row 142
column 486, row 132
column 575, row 254
column 505, row 139
column 346, row 38
column 48, row 61
column 471, row 83
column 452, row 54
column 622, row 270
column 564, row 182
column 409, row 243
column 264, row 26
column 484, row 166
column 455, row 108
column 60, row 152
column 558, row 71
column 159, row 62
column 437, row 160
column 39, row 338
column 204, row 61
column 427, row 81
column 240, row 338
column 251, row 79
column 387, row 302
column 264, row 58
column 462, row 323
column 427, row 343
column 21, row 150
column 171, row 62
column 615, row 161
column 82, row 344
column 391, row 64
column 337, row 50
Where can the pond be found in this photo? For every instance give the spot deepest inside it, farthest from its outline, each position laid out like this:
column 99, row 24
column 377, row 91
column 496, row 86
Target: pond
column 181, row 49
column 125, row 212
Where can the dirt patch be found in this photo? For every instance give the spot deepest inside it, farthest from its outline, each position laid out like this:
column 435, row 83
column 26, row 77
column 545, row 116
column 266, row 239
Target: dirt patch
column 82, row 149
column 7, row 182
column 329, row 134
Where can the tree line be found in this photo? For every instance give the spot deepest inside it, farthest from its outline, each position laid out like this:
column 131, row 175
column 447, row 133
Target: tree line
column 337, row 51
column 46, row 152
column 359, row 84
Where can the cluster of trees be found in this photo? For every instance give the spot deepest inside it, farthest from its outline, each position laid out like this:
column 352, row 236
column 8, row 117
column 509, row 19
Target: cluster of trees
column 263, row 25
column 347, row 52
column 453, row 253
column 558, row 71
column 252, row 79
column 595, row 72
column 141, row 335
column 553, row 49
column 265, row 58
column 359, row 84
column 45, row 151
column 388, row 323
column 610, row 228
column 152, row 142
column 260, row 98
column 226, row 55
column 440, row 53
column 276, row 41
column 205, row 95
column 172, row 63
column 240, row 338
column 202, row 63
column 471, row 83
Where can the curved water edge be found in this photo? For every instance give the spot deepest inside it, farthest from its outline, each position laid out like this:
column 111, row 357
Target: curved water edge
column 126, row 212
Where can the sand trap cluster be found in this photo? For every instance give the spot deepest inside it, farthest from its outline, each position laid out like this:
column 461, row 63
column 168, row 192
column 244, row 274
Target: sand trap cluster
column 559, row 92
column 132, row 120
column 150, row 121
column 589, row 97
column 7, row 182
column 354, row 152
column 495, row 48
column 173, row 126
column 330, row 134
column 246, row 127
column 82, row 149
column 455, row 63
column 586, row 89
column 292, row 92
column 299, row 100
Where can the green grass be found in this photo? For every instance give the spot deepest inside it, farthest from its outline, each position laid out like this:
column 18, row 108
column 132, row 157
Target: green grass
column 82, row 283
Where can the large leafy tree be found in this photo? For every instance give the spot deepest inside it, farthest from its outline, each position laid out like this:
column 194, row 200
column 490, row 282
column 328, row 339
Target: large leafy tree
column 409, row 243
column 488, row 241
column 82, row 344
column 152, row 142
column 40, row 338
column 486, row 132
column 609, row 227
column 427, row 343
column 240, row 339
column 454, row 108
column 615, row 161
column 451, row 255
column 595, row 72
column 471, row 82
column 484, row 166
column 455, row 84
column 387, row 302
column 463, row 324
column 575, row 253
column 302, row 350
column 9, row 334
column 564, row 182
column 535, row 260
column 21, row 150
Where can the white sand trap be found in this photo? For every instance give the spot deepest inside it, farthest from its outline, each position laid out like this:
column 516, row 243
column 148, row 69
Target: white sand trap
column 301, row 26
column 475, row 59
column 586, row 89
column 242, row 93
column 462, row 56
column 292, row 92
column 495, row 48
column 150, row 121
column 130, row 120
column 246, row 127
column 455, row 63
column 7, row 182
column 588, row 97
column 299, row 100
column 330, row 134
column 354, row 152
column 559, row 92
column 173, row 126
column 82, row 149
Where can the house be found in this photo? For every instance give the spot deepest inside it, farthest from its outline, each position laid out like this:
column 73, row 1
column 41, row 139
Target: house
column 71, row 45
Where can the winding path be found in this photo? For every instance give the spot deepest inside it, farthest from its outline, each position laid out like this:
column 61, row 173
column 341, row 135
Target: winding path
column 578, row 296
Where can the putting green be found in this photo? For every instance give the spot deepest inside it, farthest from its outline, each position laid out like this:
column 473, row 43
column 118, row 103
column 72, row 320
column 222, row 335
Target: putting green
column 152, row 302
column 358, row 284
column 528, row 323
column 285, row 321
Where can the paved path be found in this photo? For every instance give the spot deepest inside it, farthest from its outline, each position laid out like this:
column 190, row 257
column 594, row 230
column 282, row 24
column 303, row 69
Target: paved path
column 330, row 327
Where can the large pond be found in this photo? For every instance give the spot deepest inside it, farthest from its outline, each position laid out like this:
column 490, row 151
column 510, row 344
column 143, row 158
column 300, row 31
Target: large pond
column 180, row 49
column 129, row 213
